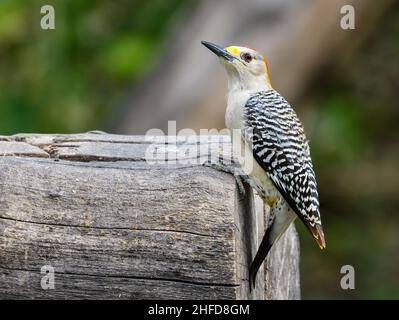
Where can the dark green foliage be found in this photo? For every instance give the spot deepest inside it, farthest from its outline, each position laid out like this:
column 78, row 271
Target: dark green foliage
column 70, row 79
column 355, row 147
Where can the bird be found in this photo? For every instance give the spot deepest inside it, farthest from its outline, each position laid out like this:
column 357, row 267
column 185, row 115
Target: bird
column 276, row 161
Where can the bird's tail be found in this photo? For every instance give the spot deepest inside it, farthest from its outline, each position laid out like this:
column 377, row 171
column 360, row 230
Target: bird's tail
column 318, row 234
column 283, row 216
column 263, row 250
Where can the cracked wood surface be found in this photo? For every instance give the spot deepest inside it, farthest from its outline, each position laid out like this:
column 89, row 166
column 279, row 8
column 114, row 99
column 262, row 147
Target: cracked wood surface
column 116, row 226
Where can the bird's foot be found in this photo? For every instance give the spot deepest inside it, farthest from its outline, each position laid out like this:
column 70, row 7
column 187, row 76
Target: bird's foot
column 233, row 168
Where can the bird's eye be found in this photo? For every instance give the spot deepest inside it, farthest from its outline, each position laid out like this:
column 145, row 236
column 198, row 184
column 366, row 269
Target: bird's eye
column 247, row 57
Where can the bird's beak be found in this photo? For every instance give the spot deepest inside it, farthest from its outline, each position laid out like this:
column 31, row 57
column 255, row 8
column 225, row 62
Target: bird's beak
column 219, row 51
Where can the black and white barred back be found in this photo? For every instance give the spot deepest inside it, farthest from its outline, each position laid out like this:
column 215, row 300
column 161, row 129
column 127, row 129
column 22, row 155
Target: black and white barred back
column 280, row 147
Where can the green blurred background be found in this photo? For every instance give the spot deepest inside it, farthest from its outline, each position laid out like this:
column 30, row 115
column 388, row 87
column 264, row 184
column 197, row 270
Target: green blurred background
column 76, row 78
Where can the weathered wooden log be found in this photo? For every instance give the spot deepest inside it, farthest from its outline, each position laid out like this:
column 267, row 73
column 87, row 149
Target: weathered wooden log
column 115, row 226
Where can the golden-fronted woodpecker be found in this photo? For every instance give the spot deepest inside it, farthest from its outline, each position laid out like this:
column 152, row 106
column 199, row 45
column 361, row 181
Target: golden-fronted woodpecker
column 276, row 159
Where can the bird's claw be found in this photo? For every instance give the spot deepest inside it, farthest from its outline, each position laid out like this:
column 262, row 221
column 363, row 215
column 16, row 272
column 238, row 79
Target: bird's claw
column 233, row 169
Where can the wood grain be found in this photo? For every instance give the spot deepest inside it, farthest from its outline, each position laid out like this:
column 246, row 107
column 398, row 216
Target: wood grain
column 115, row 226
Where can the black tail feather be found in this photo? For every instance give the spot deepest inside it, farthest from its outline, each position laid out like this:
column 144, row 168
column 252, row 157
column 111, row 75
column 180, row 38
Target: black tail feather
column 263, row 250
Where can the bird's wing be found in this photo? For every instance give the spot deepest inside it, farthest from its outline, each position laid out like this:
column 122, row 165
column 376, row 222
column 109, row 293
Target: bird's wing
column 279, row 145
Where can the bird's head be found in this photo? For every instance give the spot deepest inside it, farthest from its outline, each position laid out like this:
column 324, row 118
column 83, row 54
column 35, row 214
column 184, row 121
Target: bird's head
column 246, row 68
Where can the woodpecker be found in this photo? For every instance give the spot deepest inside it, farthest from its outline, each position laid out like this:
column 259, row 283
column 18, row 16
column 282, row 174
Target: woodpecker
column 276, row 159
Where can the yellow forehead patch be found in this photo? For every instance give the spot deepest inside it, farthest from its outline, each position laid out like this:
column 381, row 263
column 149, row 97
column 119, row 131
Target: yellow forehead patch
column 233, row 50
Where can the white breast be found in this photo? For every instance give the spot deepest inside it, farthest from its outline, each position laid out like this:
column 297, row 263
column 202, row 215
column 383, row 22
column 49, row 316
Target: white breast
column 236, row 101
column 235, row 122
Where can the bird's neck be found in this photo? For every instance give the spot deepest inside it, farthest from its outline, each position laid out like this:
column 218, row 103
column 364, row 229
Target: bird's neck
column 247, row 82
